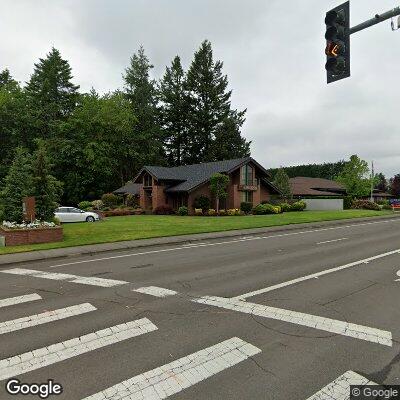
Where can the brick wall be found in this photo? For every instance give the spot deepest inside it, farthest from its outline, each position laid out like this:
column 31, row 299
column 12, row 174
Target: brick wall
column 16, row 237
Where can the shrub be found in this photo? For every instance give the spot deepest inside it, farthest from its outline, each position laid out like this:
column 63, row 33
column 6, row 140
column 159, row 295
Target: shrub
column 97, row 205
column 198, row 211
column 298, row 206
column 111, row 200
column 285, row 207
column 387, row 207
column 347, row 202
column 202, row 202
column 262, row 209
column 365, row 205
column 222, row 213
column 183, row 211
column 212, row 212
column 233, row 212
column 132, row 201
column 163, row 210
column 85, row 205
column 246, row 206
column 117, row 212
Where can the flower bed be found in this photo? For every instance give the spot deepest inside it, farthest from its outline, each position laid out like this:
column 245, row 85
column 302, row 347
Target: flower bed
column 30, row 233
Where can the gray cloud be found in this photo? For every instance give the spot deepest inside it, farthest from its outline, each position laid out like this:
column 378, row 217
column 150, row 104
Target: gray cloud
column 272, row 53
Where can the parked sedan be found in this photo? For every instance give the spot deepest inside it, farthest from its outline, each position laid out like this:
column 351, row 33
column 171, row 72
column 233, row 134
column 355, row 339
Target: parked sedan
column 72, row 214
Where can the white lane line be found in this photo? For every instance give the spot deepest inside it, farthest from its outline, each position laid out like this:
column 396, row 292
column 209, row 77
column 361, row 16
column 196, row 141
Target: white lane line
column 44, row 318
column 172, row 378
column 65, row 277
column 185, row 247
column 54, row 353
column 156, row 291
column 312, row 321
column 315, row 275
column 339, row 389
column 334, row 240
column 19, row 299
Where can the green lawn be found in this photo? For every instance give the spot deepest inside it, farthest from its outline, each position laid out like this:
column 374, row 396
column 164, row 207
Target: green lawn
column 116, row 229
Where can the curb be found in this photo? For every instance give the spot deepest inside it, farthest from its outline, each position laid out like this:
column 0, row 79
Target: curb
column 7, row 259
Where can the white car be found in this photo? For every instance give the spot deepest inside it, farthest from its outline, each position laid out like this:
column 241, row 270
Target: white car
column 72, row 214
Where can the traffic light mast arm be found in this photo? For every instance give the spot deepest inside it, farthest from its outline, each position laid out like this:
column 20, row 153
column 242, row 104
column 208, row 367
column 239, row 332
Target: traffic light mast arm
column 376, row 20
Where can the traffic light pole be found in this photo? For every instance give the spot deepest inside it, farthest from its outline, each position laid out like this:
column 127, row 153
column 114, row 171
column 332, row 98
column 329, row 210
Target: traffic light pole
column 376, row 20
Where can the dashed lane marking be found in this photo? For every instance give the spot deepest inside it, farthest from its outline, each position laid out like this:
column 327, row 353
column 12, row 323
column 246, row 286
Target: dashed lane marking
column 84, row 280
column 172, row 378
column 333, row 240
column 339, row 389
column 19, row 299
column 315, row 275
column 44, row 318
column 43, row 357
column 312, row 321
column 156, row 291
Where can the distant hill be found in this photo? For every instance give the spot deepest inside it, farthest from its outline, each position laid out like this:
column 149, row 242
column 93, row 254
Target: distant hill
column 326, row 170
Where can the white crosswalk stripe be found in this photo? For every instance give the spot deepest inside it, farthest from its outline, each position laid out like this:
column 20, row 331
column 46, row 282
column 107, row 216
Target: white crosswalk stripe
column 156, row 291
column 325, row 324
column 94, row 281
column 19, row 299
column 171, row 378
column 32, row 360
column 45, row 317
column 339, row 389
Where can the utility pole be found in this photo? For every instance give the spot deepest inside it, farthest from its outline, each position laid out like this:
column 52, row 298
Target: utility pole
column 372, row 181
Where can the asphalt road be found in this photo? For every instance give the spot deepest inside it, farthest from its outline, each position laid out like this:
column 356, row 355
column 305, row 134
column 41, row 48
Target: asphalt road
column 278, row 316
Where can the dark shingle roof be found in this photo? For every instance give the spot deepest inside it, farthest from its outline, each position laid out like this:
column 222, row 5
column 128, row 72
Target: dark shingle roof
column 188, row 177
column 129, row 188
column 304, row 186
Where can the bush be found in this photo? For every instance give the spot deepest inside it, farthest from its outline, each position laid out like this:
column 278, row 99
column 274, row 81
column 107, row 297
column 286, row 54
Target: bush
column 246, row 206
column 198, row 211
column 132, row 201
column 347, row 202
column 117, row 212
column 222, row 213
column 233, row 212
column 285, row 207
column 212, row 212
column 298, row 206
column 97, row 205
column 387, row 207
column 85, row 205
column 111, row 200
column 365, row 205
column 202, row 202
column 262, row 209
column 163, row 210
column 183, row 211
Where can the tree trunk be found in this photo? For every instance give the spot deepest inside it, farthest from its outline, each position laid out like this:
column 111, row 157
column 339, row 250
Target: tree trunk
column 217, row 204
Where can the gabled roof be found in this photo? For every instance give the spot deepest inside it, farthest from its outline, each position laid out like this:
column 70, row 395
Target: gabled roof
column 129, row 188
column 187, row 177
column 305, row 186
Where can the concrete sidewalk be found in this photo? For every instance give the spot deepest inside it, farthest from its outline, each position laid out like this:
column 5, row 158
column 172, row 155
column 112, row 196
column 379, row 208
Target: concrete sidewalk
column 172, row 240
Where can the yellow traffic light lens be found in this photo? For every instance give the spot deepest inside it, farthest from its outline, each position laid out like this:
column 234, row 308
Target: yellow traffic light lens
column 332, row 49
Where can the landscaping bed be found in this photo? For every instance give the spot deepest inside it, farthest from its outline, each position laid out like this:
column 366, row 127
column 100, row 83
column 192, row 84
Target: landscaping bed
column 18, row 237
column 150, row 226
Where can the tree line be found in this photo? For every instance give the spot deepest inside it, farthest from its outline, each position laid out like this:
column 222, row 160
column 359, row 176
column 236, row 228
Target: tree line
column 97, row 142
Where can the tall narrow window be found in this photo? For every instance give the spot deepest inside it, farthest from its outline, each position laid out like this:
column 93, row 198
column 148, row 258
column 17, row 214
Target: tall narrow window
column 246, row 175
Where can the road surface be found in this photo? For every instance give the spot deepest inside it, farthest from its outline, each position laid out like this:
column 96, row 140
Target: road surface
column 295, row 315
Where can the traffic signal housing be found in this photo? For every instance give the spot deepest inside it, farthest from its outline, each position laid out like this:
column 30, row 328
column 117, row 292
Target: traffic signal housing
column 337, row 38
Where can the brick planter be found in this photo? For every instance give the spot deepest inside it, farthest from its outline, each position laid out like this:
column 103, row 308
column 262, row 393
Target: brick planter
column 15, row 237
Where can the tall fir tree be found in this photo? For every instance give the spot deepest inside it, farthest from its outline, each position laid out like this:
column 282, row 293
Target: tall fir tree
column 140, row 90
column 381, row 182
column 281, row 181
column 46, row 189
column 395, row 186
column 173, row 111
column 209, row 106
column 7, row 82
column 52, row 93
column 17, row 185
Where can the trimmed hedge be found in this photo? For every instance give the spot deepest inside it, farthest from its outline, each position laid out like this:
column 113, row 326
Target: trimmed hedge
column 164, row 210
column 183, row 211
column 246, row 207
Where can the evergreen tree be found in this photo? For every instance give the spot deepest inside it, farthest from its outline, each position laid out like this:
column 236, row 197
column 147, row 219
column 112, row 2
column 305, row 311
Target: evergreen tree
column 395, row 186
column 173, row 111
column 281, row 181
column 140, row 90
column 46, row 189
column 51, row 92
column 381, row 182
column 209, row 105
column 7, row 81
column 17, row 185
column 228, row 142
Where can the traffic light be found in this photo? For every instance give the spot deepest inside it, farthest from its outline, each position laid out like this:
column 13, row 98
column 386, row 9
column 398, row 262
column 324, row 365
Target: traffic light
column 337, row 38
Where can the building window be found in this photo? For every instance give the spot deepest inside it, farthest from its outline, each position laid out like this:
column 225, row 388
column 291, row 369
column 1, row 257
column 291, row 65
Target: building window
column 147, row 181
column 247, row 175
column 246, row 197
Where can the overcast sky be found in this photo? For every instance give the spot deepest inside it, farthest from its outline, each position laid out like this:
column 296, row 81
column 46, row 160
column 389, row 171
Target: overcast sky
column 273, row 54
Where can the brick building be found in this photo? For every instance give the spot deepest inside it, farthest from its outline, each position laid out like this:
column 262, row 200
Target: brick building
column 180, row 186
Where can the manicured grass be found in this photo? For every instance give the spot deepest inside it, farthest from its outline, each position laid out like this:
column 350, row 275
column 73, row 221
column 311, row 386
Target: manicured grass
column 132, row 227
